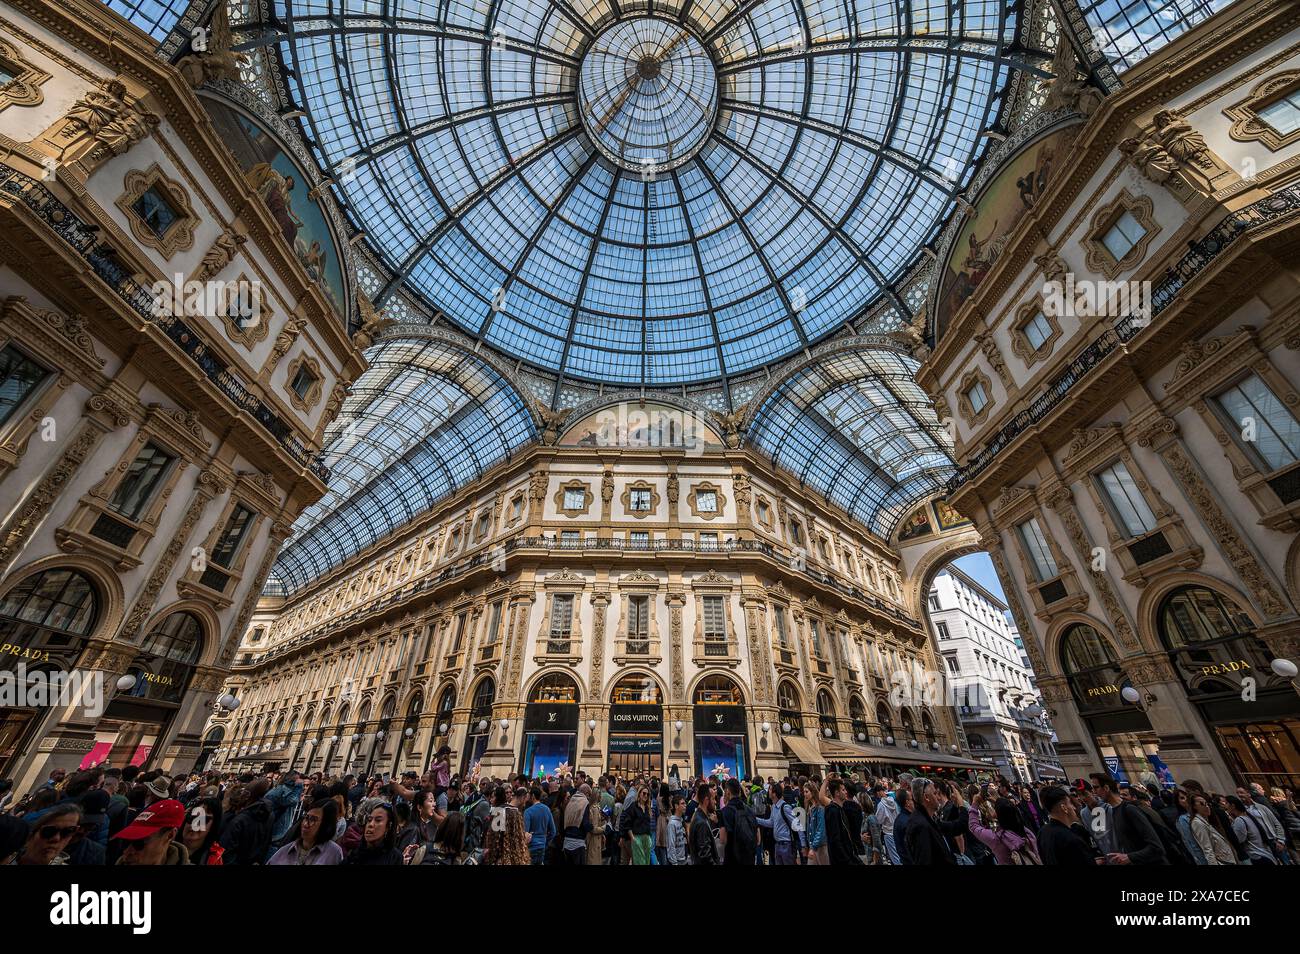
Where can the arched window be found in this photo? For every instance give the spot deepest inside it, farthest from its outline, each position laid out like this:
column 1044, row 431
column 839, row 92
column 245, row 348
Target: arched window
column 858, row 718
column 415, row 706
column 976, row 741
column 48, row 611
column 484, row 694
column 787, row 700
column 1212, row 644
column 555, row 687
column 718, row 691
column 826, row 714
column 167, row 658
column 1090, row 665
column 636, row 690
column 909, row 725
column 446, row 705
column 927, row 726
column 886, row 720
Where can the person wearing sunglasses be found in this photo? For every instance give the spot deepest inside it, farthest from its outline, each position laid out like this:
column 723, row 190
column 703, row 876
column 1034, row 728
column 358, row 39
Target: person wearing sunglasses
column 50, row 835
column 150, row 838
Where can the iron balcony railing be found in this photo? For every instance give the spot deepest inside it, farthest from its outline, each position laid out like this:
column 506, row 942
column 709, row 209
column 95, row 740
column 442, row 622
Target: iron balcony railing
column 1199, row 255
column 103, row 260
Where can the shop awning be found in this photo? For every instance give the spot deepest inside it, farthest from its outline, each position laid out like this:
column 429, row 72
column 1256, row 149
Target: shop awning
column 833, row 750
column 802, row 750
column 270, row 755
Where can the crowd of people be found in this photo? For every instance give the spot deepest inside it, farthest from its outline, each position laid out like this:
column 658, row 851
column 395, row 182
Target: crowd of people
column 125, row 816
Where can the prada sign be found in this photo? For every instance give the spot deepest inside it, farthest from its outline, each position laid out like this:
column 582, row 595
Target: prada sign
column 719, row 720
column 551, row 717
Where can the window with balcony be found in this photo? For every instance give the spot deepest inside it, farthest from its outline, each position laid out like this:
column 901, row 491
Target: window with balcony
column 708, row 541
column 638, row 625
column 143, row 476
column 19, row 377
column 639, row 539
column 1126, row 502
column 561, row 624
column 715, row 626
column 1036, row 548
column 232, row 536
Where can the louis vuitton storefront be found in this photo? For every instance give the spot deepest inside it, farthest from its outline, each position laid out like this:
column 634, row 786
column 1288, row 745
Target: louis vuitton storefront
column 550, row 726
column 720, row 728
column 636, row 728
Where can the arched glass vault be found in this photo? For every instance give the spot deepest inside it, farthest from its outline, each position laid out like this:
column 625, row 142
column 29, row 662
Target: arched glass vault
column 426, row 418
column 855, row 426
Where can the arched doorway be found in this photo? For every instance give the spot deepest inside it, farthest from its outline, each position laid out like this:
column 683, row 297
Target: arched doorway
column 443, row 717
column 406, row 735
column 47, row 617
column 138, row 717
column 384, row 733
column 858, row 719
column 720, row 730
column 636, row 727
column 1121, row 731
column 480, row 724
column 551, row 724
column 1225, row 669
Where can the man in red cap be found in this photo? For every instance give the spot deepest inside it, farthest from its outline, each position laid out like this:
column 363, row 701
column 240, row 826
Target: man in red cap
column 148, row 840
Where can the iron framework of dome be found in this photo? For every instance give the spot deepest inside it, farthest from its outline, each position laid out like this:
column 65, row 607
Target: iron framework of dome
column 650, row 193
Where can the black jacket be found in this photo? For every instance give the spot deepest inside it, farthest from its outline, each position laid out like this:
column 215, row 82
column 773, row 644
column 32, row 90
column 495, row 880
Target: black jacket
column 703, row 849
column 1062, row 845
column 364, row 855
column 843, row 834
column 247, row 840
column 925, row 841
column 1136, row 836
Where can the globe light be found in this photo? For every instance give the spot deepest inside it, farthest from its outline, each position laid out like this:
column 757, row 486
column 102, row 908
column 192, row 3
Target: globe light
column 126, row 683
column 889, row 740
column 767, row 727
column 380, row 735
column 914, row 744
column 1129, row 694
column 785, row 727
column 409, row 732
column 935, row 746
column 1284, row 668
column 827, row 732
column 591, row 724
column 442, row 729
column 678, row 725
column 862, row 736
column 228, row 701
column 505, row 724
column 333, row 739
column 953, row 749
column 356, row 737
column 482, row 725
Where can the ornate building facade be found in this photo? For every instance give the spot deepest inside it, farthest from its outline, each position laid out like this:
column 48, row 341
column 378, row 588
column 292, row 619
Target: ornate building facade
column 619, row 599
column 158, row 434
column 1121, row 369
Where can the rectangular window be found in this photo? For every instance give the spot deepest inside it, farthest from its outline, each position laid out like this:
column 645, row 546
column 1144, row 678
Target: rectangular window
column 715, row 619
column 575, row 498
column 155, row 211
column 562, row 615
column 952, row 663
column 303, row 381
column 943, row 631
column 1123, row 235
column 142, row 478
column 232, row 537
column 1284, row 114
column 815, row 628
column 1040, row 555
column 1261, row 423
column 638, row 624
column 639, row 499
column 569, row 538
column 1037, row 330
column 977, row 397
column 494, row 622
column 458, row 633
column 708, row 541
column 779, row 615
column 706, row 501
column 19, row 377
column 640, row 539
column 796, row 532
column 934, row 600
column 1126, row 500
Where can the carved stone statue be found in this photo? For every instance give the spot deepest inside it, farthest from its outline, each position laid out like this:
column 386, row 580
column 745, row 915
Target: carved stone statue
column 1053, row 266
column 551, row 421
column 285, row 339
column 1151, row 160
column 1068, row 90
column 731, row 425
column 95, row 109
column 372, row 322
column 218, row 61
column 335, row 402
column 1181, row 141
column 219, row 256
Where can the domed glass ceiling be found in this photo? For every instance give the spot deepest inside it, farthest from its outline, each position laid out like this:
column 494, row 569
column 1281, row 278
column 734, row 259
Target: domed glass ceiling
column 646, row 193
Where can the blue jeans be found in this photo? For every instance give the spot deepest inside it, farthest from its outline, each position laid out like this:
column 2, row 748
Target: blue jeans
column 890, row 849
column 784, row 853
column 538, row 855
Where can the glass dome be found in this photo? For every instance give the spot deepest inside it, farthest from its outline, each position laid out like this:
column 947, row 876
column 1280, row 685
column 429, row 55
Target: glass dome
column 653, row 193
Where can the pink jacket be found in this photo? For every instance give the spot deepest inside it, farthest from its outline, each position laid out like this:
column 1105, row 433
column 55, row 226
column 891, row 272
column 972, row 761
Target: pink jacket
column 1000, row 842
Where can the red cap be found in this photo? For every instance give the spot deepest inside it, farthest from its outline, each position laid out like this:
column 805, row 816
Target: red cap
column 168, row 813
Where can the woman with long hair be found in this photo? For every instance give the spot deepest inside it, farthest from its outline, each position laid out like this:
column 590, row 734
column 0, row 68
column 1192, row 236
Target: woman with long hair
column 1011, row 842
column 506, row 842
column 378, row 839
column 1216, row 848
column 202, row 825
column 816, row 851
column 311, row 840
column 638, row 826
column 448, row 844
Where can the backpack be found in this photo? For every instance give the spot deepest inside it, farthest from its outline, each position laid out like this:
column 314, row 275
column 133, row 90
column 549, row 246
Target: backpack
column 1024, row 855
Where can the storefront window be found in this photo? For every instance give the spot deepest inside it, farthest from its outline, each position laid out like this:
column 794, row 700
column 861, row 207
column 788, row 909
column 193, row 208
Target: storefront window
column 720, row 731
